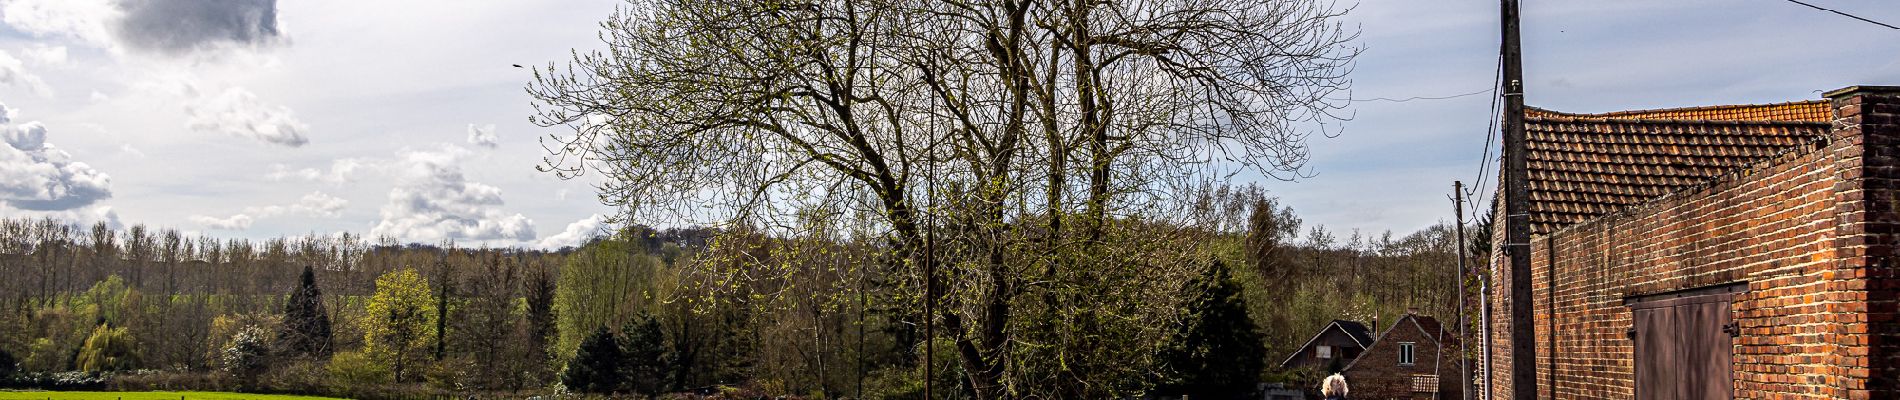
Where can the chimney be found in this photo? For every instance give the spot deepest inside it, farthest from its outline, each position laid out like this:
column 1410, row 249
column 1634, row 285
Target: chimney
column 1863, row 111
column 1375, row 328
column 1411, row 311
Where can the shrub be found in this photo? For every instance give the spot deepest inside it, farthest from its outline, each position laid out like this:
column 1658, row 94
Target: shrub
column 299, row 375
column 7, row 365
column 451, row 375
column 356, row 368
column 45, row 356
column 244, row 355
column 226, row 326
column 152, row 380
column 897, row 383
column 109, row 349
column 69, row 380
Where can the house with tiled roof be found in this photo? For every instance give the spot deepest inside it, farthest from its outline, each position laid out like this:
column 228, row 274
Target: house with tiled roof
column 1720, row 252
column 1413, row 359
column 1330, row 350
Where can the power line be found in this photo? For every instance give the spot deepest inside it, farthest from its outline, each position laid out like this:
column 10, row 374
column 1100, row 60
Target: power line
column 1846, row 14
column 1493, row 87
column 1490, row 135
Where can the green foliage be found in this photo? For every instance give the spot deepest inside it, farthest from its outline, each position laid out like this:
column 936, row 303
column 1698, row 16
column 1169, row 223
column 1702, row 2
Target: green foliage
column 596, row 366
column 357, row 368
column 154, row 396
column 605, row 283
column 225, row 327
column 894, row 383
column 42, row 355
column 306, row 328
column 245, row 354
column 1478, row 236
column 109, row 349
column 1217, row 352
column 400, row 324
column 644, row 359
column 109, row 300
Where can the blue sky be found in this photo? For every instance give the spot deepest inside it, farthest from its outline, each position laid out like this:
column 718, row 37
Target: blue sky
column 1393, row 166
column 405, row 118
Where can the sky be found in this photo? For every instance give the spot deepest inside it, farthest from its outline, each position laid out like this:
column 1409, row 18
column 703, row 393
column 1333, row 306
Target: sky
column 259, row 118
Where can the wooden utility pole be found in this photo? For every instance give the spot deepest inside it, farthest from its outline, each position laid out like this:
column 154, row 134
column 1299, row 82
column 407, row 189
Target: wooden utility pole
column 930, row 266
column 1464, row 360
column 1517, row 224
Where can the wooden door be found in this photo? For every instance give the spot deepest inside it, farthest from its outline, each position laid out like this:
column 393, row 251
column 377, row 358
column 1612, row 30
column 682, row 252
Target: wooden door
column 1683, row 350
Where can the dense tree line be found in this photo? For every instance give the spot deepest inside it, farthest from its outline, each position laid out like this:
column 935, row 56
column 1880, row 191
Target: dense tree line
column 809, row 309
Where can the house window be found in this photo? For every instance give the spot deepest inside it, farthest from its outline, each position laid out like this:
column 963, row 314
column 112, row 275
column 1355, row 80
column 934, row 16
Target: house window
column 1405, row 353
column 1325, row 351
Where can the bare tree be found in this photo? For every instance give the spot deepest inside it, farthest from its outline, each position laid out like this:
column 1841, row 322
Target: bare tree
column 981, row 126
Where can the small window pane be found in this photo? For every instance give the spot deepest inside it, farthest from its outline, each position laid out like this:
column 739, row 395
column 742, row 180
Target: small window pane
column 1325, row 351
column 1405, row 354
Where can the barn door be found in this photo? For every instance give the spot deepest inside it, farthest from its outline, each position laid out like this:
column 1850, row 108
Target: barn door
column 1683, row 348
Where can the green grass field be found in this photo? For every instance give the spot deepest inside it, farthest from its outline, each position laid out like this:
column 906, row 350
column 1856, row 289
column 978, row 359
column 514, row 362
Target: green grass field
column 148, row 396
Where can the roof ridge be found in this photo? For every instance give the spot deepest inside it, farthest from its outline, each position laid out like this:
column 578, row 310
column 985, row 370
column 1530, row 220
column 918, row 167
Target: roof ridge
column 1565, row 118
column 1680, row 109
column 1792, row 111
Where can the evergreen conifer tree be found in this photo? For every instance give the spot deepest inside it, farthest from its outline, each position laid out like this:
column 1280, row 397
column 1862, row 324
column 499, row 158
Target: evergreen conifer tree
column 645, row 368
column 596, row 367
column 1216, row 353
column 306, row 330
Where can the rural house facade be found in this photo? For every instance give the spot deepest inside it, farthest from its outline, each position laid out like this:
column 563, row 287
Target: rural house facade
column 1405, row 363
column 1333, row 348
column 1712, row 252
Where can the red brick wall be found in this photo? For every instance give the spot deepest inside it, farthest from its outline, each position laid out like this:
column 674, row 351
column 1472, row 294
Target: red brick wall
column 1868, row 357
column 1378, row 375
column 1812, row 233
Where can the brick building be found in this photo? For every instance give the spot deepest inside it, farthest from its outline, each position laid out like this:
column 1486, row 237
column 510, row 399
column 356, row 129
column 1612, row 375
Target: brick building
column 1712, row 252
column 1332, row 349
column 1405, row 363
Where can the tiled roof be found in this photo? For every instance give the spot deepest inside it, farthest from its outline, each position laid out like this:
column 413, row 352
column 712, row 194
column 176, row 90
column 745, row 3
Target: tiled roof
column 1357, row 330
column 1810, row 111
column 1587, row 165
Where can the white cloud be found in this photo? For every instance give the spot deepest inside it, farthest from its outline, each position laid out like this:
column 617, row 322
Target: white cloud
column 341, row 171
column 316, row 204
column 84, row 216
column 432, row 201
column 233, row 223
column 13, row 72
column 237, row 112
column 127, row 149
column 82, row 20
column 483, row 135
column 576, row 234
column 35, row 175
column 45, row 55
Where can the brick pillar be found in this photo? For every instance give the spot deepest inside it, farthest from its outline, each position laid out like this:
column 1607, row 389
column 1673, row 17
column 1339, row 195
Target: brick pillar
column 1864, row 287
